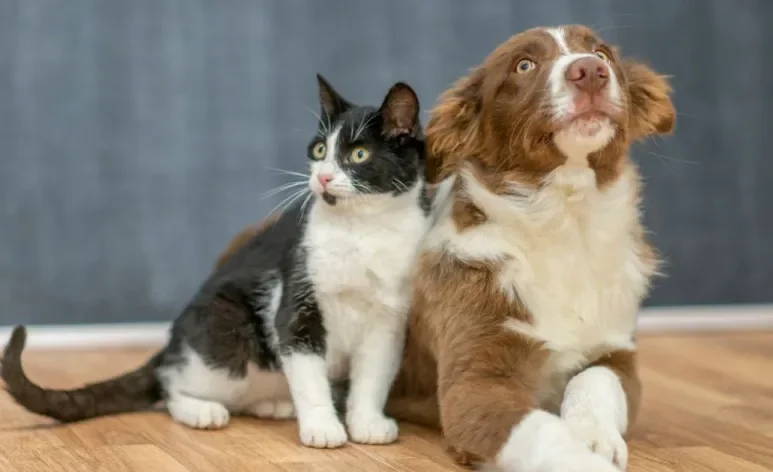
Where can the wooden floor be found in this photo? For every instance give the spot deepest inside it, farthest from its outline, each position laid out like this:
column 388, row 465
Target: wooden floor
column 708, row 407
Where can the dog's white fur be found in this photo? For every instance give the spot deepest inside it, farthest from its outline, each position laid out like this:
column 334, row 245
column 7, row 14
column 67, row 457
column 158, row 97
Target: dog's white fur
column 571, row 256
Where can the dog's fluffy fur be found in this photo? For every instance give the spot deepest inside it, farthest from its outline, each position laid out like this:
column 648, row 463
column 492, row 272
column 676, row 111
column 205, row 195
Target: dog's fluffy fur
column 527, row 292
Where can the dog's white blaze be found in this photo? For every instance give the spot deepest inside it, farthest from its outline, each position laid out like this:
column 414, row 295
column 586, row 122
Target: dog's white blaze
column 559, row 35
column 569, row 141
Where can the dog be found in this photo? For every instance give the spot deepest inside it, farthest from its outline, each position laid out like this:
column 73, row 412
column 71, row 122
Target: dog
column 521, row 342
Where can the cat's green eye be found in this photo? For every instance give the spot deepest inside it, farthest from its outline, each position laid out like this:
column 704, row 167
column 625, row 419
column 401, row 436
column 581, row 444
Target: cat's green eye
column 318, row 151
column 359, row 154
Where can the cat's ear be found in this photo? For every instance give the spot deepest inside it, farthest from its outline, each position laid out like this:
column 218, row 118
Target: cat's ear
column 400, row 111
column 331, row 102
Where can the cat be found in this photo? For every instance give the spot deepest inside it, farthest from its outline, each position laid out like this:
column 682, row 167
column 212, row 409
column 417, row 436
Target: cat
column 321, row 295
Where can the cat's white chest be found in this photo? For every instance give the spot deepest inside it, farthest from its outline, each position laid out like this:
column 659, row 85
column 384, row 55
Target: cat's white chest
column 368, row 254
column 361, row 268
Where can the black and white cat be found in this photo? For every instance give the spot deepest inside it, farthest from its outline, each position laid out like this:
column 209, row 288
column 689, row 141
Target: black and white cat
column 321, row 295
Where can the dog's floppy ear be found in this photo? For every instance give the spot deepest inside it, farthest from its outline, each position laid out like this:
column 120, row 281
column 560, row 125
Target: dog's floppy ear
column 453, row 129
column 652, row 111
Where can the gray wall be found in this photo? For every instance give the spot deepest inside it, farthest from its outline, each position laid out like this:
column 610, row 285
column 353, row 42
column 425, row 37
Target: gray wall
column 135, row 134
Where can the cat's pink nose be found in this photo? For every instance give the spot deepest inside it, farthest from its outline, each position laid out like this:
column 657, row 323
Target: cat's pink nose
column 324, row 179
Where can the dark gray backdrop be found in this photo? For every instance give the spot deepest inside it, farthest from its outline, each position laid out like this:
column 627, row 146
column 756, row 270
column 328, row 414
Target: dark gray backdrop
column 135, row 134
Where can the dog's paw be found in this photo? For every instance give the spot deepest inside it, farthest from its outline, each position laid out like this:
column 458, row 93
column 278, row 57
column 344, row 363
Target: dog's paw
column 543, row 442
column 585, row 462
column 463, row 458
column 604, row 441
column 372, row 428
column 322, row 431
column 581, row 461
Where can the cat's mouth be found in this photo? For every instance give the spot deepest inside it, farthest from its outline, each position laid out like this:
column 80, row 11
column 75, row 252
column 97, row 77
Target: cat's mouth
column 329, row 198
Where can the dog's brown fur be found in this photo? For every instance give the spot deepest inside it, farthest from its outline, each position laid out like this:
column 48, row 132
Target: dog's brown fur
column 487, row 378
column 243, row 237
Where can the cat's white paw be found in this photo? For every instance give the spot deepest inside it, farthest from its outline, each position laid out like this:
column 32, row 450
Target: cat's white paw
column 273, row 409
column 372, row 428
column 322, row 431
column 196, row 413
column 604, row 441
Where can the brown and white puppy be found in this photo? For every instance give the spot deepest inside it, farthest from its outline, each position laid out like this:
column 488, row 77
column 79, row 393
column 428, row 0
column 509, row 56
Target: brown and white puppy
column 529, row 286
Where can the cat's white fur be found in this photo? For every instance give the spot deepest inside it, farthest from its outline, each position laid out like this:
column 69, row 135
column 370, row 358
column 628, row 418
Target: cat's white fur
column 361, row 255
column 202, row 397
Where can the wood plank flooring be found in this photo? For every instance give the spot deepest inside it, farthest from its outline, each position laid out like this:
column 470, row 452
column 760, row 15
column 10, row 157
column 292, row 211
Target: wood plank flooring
column 708, row 406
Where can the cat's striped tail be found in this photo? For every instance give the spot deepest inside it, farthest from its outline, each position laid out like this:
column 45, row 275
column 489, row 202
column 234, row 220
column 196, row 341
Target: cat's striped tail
column 135, row 390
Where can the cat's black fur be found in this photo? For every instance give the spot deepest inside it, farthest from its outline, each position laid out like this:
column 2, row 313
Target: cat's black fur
column 224, row 322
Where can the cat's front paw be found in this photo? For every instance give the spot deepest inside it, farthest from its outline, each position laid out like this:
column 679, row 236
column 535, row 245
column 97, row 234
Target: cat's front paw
column 604, row 441
column 371, row 428
column 196, row 413
column 322, row 431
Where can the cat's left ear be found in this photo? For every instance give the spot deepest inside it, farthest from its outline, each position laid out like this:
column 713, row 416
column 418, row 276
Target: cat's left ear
column 400, row 111
column 331, row 102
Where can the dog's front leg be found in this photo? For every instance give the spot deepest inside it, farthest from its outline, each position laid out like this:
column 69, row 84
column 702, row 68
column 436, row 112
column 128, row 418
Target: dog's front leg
column 488, row 383
column 601, row 402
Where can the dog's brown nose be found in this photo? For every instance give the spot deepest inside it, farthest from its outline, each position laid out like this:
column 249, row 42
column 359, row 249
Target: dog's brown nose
column 589, row 74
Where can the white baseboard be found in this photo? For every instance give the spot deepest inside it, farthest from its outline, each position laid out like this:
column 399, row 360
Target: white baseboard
column 706, row 318
column 651, row 320
column 92, row 336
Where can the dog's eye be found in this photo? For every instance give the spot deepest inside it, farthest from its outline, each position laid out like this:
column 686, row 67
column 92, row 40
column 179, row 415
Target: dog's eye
column 525, row 65
column 601, row 55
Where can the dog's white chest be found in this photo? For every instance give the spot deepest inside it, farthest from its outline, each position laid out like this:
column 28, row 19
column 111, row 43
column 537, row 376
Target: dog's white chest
column 575, row 265
column 569, row 255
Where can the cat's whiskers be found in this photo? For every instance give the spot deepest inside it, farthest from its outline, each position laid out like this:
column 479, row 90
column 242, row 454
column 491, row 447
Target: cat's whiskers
column 324, row 124
column 288, row 172
column 282, row 188
column 303, row 205
column 400, row 184
column 363, row 124
column 359, row 197
column 286, row 202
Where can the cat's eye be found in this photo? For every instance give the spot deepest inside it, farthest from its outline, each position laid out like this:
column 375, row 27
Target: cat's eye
column 318, row 151
column 359, row 154
column 525, row 65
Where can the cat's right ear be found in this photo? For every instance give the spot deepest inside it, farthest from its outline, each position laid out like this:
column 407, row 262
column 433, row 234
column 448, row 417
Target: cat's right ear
column 331, row 102
column 400, row 111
